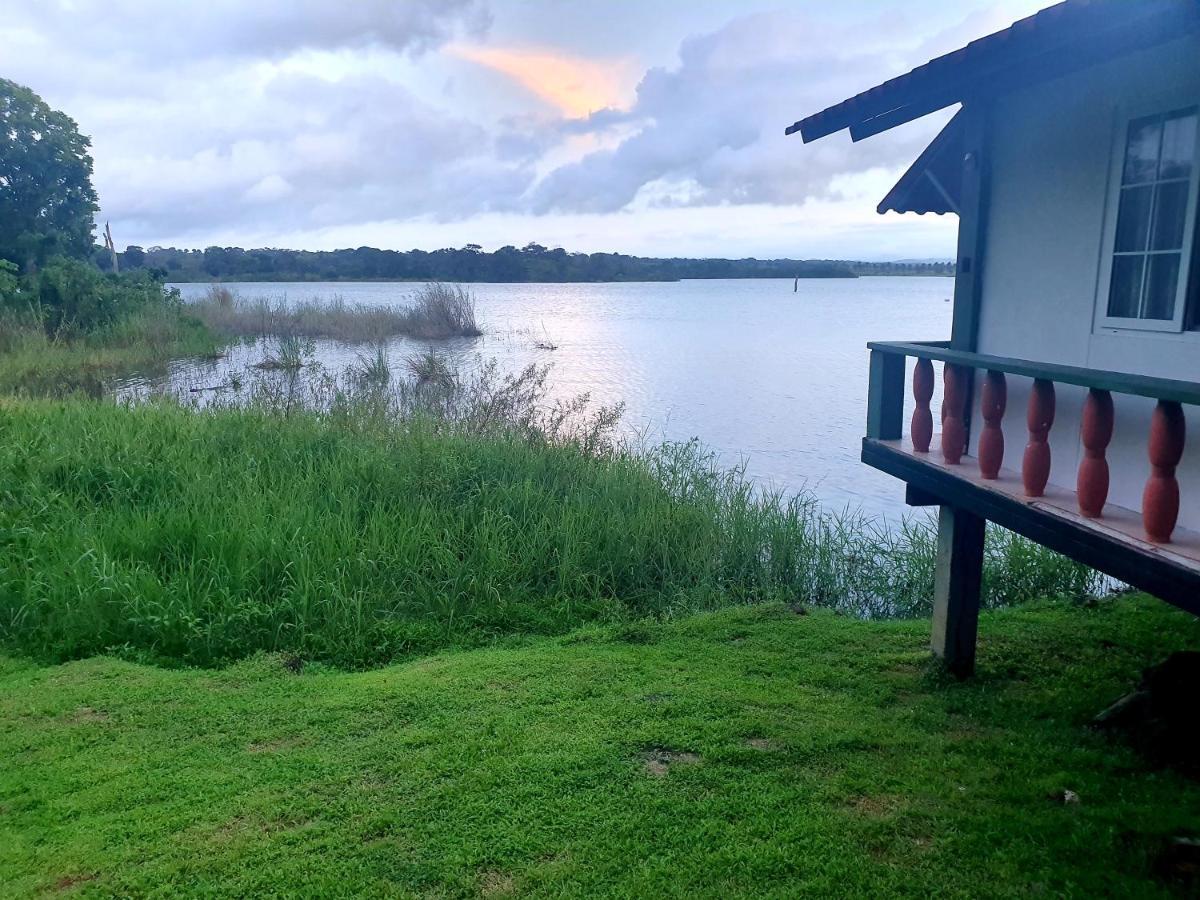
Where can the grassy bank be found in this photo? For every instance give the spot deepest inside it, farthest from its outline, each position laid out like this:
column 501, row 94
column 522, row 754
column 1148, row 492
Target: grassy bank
column 749, row 752
column 36, row 362
column 72, row 330
column 363, row 533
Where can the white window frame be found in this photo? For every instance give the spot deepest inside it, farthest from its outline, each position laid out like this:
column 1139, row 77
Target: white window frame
column 1125, row 116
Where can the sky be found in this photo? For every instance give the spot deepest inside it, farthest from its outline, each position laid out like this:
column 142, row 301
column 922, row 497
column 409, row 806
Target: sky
column 651, row 127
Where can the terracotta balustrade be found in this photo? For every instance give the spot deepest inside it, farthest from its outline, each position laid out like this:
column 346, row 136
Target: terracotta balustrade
column 1095, row 432
column 922, row 419
column 1035, row 466
column 1160, row 500
column 1161, row 497
column 954, row 428
column 993, row 400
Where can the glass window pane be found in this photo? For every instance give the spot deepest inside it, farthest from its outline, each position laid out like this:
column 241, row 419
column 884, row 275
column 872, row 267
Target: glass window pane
column 1141, row 150
column 1161, row 282
column 1133, row 219
column 1178, row 146
column 1126, row 287
column 1170, row 212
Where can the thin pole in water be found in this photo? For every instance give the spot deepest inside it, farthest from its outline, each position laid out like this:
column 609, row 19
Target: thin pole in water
column 796, row 284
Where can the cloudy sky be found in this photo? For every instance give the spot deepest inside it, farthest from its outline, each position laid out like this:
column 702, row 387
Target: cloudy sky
column 645, row 126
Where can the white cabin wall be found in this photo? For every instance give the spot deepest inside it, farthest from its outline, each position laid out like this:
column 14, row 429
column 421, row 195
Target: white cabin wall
column 1052, row 152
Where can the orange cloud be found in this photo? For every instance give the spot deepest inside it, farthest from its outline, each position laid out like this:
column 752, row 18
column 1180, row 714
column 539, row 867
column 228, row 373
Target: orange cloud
column 575, row 86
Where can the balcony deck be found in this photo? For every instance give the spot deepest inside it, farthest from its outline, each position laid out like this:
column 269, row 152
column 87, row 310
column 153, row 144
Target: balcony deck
column 1115, row 543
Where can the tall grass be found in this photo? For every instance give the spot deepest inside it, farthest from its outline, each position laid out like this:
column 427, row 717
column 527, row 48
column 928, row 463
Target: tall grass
column 436, row 311
column 58, row 362
column 360, row 524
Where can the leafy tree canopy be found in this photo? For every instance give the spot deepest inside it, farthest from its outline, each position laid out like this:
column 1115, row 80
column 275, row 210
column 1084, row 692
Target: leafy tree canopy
column 47, row 203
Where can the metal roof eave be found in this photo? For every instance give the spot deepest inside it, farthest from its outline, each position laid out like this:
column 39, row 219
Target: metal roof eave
column 1062, row 38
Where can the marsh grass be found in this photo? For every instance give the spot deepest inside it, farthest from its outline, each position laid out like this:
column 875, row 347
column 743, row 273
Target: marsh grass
column 436, row 311
column 361, row 522
column 290, row 354
column 432, row 369
column 220, row 296
column 443, row 310
column 373, row 367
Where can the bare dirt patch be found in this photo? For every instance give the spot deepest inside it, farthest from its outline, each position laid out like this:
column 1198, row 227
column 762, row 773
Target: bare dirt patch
column 766, row 745
column 86, row 714
column 493, row 883
column 658, row 761
column 874, row 807
column 67, row 882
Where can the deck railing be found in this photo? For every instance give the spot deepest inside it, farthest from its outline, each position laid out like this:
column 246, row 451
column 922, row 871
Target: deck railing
column 1165, row 441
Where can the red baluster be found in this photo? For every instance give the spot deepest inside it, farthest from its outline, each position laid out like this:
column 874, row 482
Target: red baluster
column 1096, row 430
column 993, row 399
column 954, row 430
column 1035, row 466
column 922, row 419
column 1160, row 500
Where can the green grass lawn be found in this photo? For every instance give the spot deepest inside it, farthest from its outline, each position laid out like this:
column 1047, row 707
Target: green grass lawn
column 751, row 751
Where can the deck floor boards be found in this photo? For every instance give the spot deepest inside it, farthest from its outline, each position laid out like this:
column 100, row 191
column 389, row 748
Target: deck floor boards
column 1118, row 522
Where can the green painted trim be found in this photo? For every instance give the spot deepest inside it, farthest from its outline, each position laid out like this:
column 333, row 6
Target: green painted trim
column 1169, row 389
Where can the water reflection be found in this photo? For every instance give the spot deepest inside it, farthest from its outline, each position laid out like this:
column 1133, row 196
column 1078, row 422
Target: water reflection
column 761, row 374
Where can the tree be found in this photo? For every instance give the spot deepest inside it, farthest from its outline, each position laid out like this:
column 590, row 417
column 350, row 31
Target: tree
column 133, row 257
column 47, row 202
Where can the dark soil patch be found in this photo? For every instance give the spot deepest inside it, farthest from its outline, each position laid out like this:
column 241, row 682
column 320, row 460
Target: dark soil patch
column 658, row 761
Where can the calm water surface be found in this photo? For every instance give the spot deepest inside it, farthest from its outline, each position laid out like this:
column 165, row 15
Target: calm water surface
column 762, row 375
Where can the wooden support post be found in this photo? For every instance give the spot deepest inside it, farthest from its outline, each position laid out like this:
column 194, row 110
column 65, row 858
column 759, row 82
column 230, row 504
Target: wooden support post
column 974, row 211
column 885, row 396
column 956, row 590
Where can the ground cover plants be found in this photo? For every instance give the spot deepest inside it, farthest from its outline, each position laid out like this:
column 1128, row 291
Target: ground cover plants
column 745, row 753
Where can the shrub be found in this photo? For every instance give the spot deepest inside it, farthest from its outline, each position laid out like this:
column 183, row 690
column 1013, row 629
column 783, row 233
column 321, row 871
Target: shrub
column 74, row 297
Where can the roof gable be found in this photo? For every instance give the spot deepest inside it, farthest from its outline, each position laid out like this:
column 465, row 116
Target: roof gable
column 1060, row 39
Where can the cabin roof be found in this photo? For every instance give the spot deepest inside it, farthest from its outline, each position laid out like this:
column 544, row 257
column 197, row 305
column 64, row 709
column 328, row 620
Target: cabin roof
column 1059, row 39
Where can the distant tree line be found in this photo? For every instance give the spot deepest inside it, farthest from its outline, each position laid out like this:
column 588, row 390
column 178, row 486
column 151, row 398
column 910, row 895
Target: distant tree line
column 940, row 267
column 533, row 262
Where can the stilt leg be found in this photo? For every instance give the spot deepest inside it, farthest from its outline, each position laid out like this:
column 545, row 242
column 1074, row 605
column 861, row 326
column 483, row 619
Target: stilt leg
column 956, row 591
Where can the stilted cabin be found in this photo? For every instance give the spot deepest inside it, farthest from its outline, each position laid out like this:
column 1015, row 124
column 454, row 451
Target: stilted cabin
column 1073, row 165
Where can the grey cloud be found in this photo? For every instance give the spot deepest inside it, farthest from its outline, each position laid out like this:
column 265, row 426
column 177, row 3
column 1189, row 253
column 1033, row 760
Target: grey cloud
column 311, row 153
column 196, row 130
column 163, row 35
column 716, row 120
column 200, row 129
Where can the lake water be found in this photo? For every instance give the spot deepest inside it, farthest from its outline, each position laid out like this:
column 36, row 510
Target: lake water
column 763, row 375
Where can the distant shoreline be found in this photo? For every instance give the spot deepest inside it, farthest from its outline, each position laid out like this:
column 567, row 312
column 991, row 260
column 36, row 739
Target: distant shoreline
column 531, row 264
column 319, row 280
column 645, row 280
